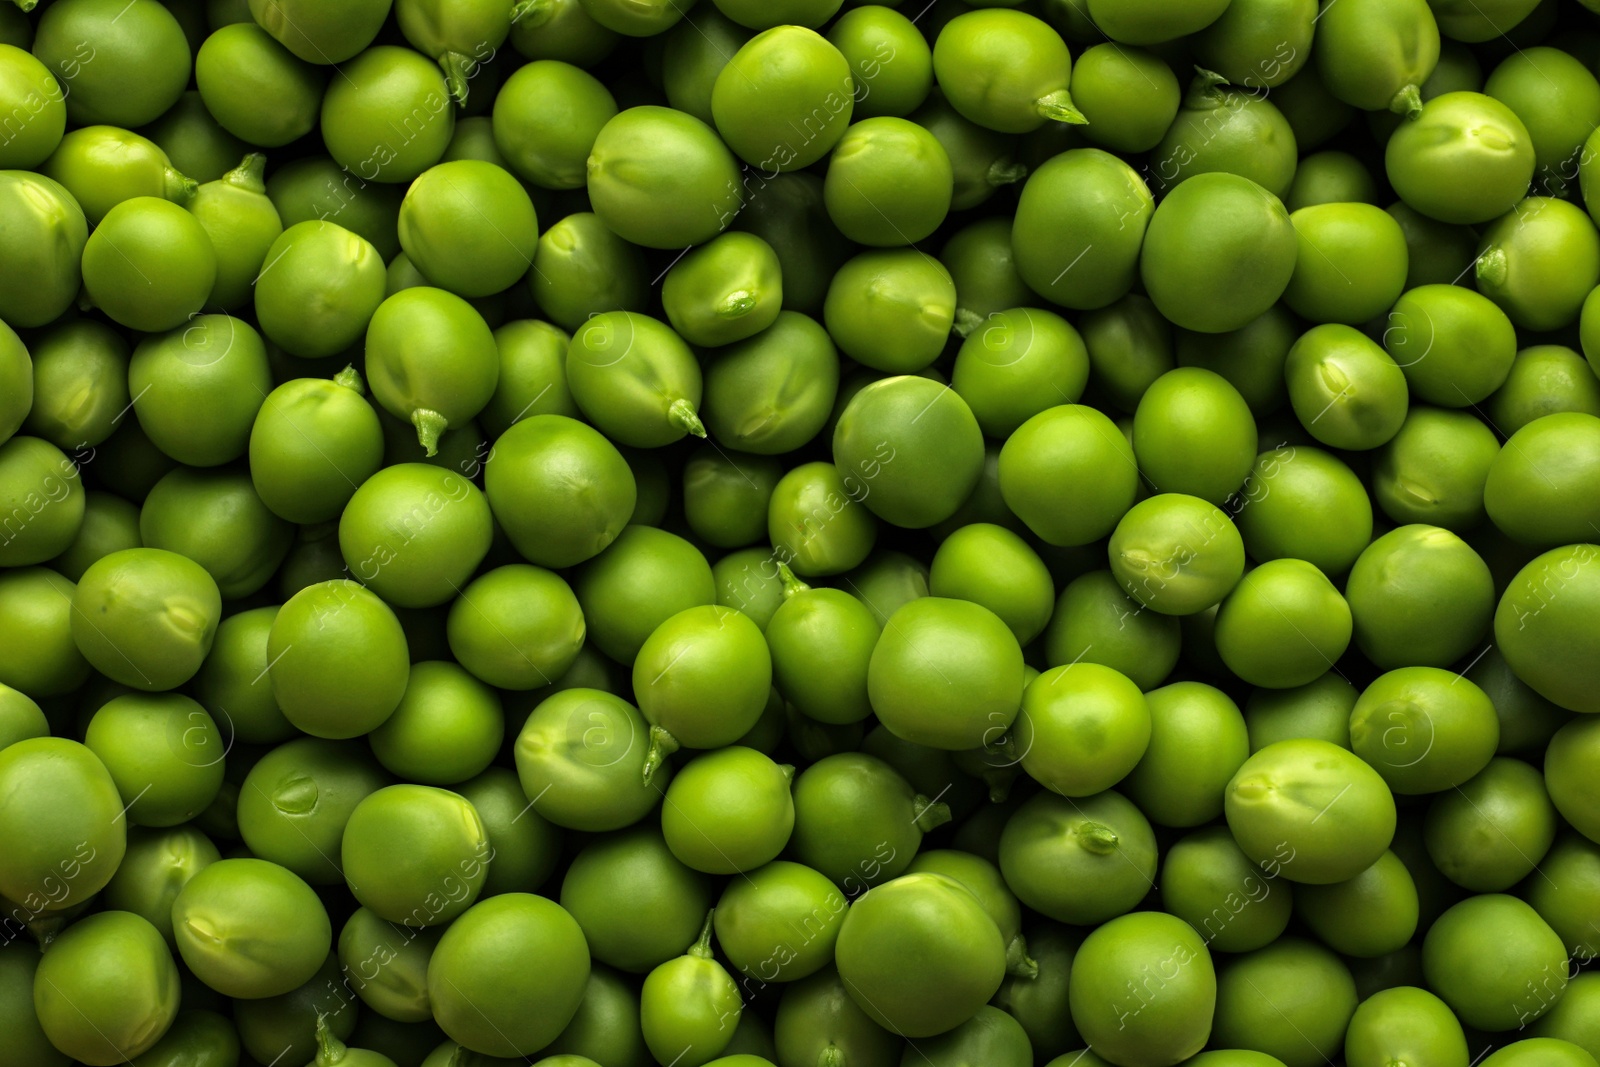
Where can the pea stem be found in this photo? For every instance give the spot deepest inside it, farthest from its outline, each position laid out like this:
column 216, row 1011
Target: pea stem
column 1005, row 172
column 1018, row 962
column 1407, row 102
column 701, row 949
column 350, row 378
column 456, row 74
column 180, row 189
column 430, row 427
column 791, row 584
column 966, row 321
column 681, row 413
column 1097, row 838
column 1205, row 92
column 929, row 815
column 524, row 8
column 27, row 5
column 662, row 745
column 1492, row 266
column 330, row 1050
column 1058, row 107
column 250, row 175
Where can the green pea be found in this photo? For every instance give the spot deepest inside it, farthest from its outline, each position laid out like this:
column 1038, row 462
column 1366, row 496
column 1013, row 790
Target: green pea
column 1542, row 619
column 1005, row 70
column 139, row 239
column 33, row 98
column 662, row 179
column 1446, row 173
column 693, row 54
column 241, row 65
column 637, row 904
column 1571, row 751
column 483, row 992
column 1225, row 897
column 582, row 269
column 164, row 752
column 125, row 65
column 311, row 638
column 459, row 36
column 42, row 499
column 1017, row 364
column 1493, row 830
column 936, row 920
column 581, row 757
column 1563, row 902
column 1219, row 251
column 1128, row 96
column 1079, row 226
column 1351, row 265
column 1527, row 720
column 387, row 965
column 1134, row 1025
column 318, row 289
column 1544, row 380
column 1495, row 962
column 1434, row 470
column 725, row 500
column 689, row 1006
column 195, row 143
column 1370, row 915
column 1094, row 621
column 108, row 990
column 1176, row 554
column 773, row 392
column 890, row 61
column 286, row 1025
column 533, row 504
column 442, row 868
column 1078, row 861
column 469, row 226
column 20, row 717
column 238, row 902
column 1250, row 358
column 1056, row 448
column 1259, row 44
column 44, row 232
column 779, row 922
column 982, row 161
column 516, row 627
column 816, row 1017
column 916, row 447
column 724, row 291
column 1221, row 129
column 993, row 567
column 415, row 533
column 891, row 310
column 1292, row 999
column 889, row 182
column 980, row 260
column 1554, row 95
column 232, row 683
column 858, row 822
column 388, row 116
column 36, row 620
column 243, row 226
column 533, row 375
column 119, row 599
column 1346, row 391
column 313, row 443
column 431, row 359
column 1539, row 262
column 1332, row 177
column 1193, row 433
column 1284, row 625
column 1404, row 1023
column 1081, row 729
column 1310, row 810
column 64, row 839
column 1375, row 55
column 296, row 800
column 821, row 642
column 780, row 115
column 321, row 35
column 636, row 378
column 1420, row 596
column 316, row 188
column 1303, row 503
column 215, row 518
column 447, row 729
column 563, row 30
column 1198, row 739
column 158, row 864
column 643, row 578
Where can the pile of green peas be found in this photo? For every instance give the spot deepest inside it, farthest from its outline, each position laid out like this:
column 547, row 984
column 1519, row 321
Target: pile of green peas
column 611, row 533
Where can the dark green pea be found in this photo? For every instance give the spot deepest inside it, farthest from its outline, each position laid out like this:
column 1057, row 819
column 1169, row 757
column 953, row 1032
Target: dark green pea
column 232, row 685
column 196, row 1037
column 903, row 297
column 821, row 642
column 388, row 116
column 102, row 166
column 986, row 503
column 1130, row 346
column 635, row 377
column 318, row 289
column 1128, row 95
column 1571, row 867
column 443, row 865
column 889, row 182
column 469, row 227
column 981, row 263
column 1198, row 739
column 817, row 1018
column 36, row 104
column 1375, row 56
column 643, row 578
column 308, row 648
column 1463, row 22
column 1292, row 999
column 637, row 904
column 216, row 365
column 241, row 65
column 532, row 503
column 1351, row 265
column 991, row 1036
column 1571, row 749
column 982, row 161
column 286, row 1025
column 36, row 621
column 1314, row 113
column 1275, row 802
column 1024, row 65
column 1433, row 471
column 215, row 518
column 582, row 269
column 644, row 20
column 1554, row 95
column 749, row 579
column 158, row 864
column 916, row 470
column 1527, row 720
column 1403, row 1023
column 533, row 375
column 431, row 360
column 1535, row 489
column 1303, row 503
column 125, row 65
column 1194, row 434
column 195, row 143
column 693, row 54
column 243, row 226
column 1495, row 962
column 724, row 291
column 164, row 752
column 460, row 36
column 16, row 378
column 42, row 499
column 1039, row 1002
column 817, row 522
column 415, row 533
column 447, row 729
column 1331, row 177
column 1370, row 915
column 775, row 391
column 321, row 35
column 1234, row 904
column 42, row 235
column 701, row 679
column 108, row 990
column 1493, row 830
column 779, row 922
column 1057, row 448
column 790, row 216
column 1251, row 358
column 1219, row 251
column 1539, row 262
column 1420, row 596
column 688, row 1006
column 64, row 837
column 563, row 30
column 725, row 500
column 316, row 189
column 1446, row 173
column 1079, row 226
column 1259, row 44
column 662, row 179
column 120, row 598
column 1078, row 861
column 1346, row 391
column 606, row 1024
column 1017, row 364
column 811, row 13
column 296, row 800
column 1544, row 380
column 313, row 442
column 15, row 28
column 581, row 758
column 784, row 114
column 516, row 627
column 526, row 845
column 887, row 582
column 858, row 821
column 143, row 238
column 1221, row 129
column 890, row 61
column 1094, row 621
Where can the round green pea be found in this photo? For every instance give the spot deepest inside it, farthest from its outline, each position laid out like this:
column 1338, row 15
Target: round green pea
column 1375, row 55
column 1284, row 625
column 108, row 989
column 387, row 116
column 784, row 99
column 1081, row 729
column 318, row 638
column 1346, row 391
column 728, row 811
column 889, row 182
column 891, row 62
column 779, row 922
column 36, row 620
column 1292, row 1000
column 581, row 758
column 1016, row 364
column 1079, row 861
column 637, row 904
column 724, row 291
column 313, row 444
column 663, row 179
column 1539, row 262
column 42, row 234
column 135, row 67
column 1128, row 95
column 440, row 872
column 1304, row 503
column 447, row 728
column 1420, row 596
column 1176, row 554
column 1233, row 903
column 915, row 444
column 1122, row 1019
column 891, row 310
column 636, row 379
column 1231, row 131
column 163, row 751
column 1465, row 158
column 235, row 903
column 241, row 65
column 1434, row 470
column 581, row 268
column 1400, row 1024
column 123, row 595
column 60, row 823
column 1005, row 70
column 1079, row 229
column 1193, row 433
column 36, row 103
column 318, row 289
column 993, row 567
column 42, row 499
column 1095, row 621
column 141, row 239
column 701, row 679
column 1495, row 962
column 821, row 641
column 1351, row 266
column 1492, row 830
column 215, row 518
column 773, row 392
column 414, row 533
column 536, row 471
column 1543, row 623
